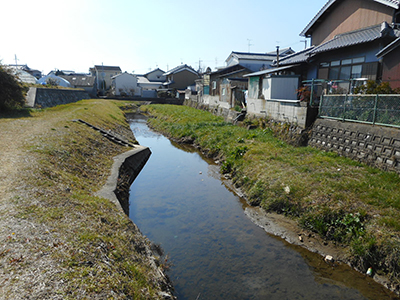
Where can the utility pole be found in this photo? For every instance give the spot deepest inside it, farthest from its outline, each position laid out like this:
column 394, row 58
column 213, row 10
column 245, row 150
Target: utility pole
column 200, row 61
column 277, row 56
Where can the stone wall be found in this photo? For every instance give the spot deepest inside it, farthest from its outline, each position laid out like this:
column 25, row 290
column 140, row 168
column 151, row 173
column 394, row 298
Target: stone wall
column 44, row 97
column 377, row 146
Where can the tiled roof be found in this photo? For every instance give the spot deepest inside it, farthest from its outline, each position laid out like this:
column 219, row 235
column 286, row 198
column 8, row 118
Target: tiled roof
column 79, row 80
column 229, row 69
column 297, row 57
column 254, row 56
column 283, row 51
column 107, row 68
column 142, row 79
column 263, row 72
column 391, row 3
column 158, row 69
column 356, row 37
column 179, row 69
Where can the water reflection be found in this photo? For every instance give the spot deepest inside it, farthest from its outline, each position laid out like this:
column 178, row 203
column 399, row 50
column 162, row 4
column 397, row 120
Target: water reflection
column 179, row 202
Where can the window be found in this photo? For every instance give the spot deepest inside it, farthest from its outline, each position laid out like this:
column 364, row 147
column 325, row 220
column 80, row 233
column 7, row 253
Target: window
column 345, row 72
column 214, row 85
column 356, row 71
column 334, row 73
column 348, row 68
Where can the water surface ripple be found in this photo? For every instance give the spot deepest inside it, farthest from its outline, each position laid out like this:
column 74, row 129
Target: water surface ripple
column 179, row 201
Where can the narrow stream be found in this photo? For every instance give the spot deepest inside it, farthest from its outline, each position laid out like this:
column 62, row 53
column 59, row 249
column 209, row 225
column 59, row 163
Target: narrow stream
column 179, row 201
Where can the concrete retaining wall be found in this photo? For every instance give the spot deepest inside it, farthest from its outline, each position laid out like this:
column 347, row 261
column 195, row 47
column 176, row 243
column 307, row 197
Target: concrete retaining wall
column 44, row 97
column 280, row 110
column 228, row 114
column 375, row 145
column 126, row 168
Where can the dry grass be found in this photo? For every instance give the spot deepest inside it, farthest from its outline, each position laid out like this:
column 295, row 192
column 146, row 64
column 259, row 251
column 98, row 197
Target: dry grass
column 58, row 240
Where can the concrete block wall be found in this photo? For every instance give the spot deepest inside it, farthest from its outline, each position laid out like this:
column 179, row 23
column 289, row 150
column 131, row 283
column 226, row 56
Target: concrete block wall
column 377, row 146
column 44, row 97
column 283, row 111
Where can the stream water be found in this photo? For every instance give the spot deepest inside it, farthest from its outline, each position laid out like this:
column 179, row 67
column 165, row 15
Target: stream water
column 215, row 251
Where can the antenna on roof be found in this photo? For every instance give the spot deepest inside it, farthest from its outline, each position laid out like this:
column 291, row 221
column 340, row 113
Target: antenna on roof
column 249, row 44
column 16, row 60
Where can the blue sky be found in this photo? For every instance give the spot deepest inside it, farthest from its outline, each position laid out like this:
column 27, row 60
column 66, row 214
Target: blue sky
column 141, row 35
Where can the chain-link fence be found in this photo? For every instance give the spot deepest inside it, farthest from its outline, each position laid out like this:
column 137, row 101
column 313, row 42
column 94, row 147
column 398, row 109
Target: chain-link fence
column 372, row 109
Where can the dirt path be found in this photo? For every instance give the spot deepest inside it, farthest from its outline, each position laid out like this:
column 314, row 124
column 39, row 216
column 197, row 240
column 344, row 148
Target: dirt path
column 22, row 272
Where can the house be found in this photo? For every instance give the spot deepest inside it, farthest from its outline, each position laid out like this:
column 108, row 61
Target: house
column 125, row 84
column 216, row 77
column 180, row 77
column 156, row 75
column 390, row 60
column 352, row 41
column 273, row 93
column 226, row 86
column 35, row 73
column 347, row 37
column 82, row 81
column 104, row 76
column 147, row 87
column 255, row 61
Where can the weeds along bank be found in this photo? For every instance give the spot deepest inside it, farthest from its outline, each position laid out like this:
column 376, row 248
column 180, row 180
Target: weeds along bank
column 59, row 240
column 345, row 202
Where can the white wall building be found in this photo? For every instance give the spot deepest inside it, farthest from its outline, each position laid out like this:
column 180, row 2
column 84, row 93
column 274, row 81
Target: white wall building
column 125, row 84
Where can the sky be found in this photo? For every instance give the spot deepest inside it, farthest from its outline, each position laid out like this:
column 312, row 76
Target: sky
column 141, row 35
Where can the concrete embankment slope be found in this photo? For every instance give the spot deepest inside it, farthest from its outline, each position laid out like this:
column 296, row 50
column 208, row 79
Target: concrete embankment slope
column 125, row 169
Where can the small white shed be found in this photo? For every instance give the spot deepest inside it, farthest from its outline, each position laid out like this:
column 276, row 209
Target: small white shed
column 280, row 87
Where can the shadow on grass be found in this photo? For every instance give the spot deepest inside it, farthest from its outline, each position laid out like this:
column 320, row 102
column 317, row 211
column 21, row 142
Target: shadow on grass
column 15, row 113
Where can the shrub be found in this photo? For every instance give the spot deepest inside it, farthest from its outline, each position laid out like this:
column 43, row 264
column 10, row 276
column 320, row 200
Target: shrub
column 12, row 93
column 372, row 87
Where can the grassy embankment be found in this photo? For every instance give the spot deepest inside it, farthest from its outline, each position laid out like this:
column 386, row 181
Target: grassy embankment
column 90, row 248
column 344, row 201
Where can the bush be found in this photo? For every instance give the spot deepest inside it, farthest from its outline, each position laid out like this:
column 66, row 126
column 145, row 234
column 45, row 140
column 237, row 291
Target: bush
column 12, row 93
column 372, row 87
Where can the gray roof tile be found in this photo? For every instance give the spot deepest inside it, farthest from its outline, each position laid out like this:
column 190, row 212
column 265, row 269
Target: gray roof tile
column 357, row 37
column 296, row 58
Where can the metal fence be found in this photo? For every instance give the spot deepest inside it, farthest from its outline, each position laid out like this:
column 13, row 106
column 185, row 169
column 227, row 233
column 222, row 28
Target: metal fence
column 371, row 109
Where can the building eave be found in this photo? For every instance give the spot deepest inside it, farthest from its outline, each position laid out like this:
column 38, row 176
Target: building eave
column 395, row 4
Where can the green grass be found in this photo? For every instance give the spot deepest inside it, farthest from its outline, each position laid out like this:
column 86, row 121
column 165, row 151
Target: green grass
column 341, row 199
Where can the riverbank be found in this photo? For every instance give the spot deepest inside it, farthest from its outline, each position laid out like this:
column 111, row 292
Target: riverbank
column 331, row 201
column 60, row 240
